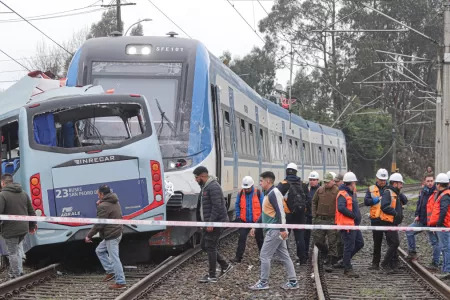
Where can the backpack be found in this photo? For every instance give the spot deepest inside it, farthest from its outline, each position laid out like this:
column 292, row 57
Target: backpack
column 296, row 197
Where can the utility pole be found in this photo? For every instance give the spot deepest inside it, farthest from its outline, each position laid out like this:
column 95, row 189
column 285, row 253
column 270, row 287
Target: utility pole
column 118, row 7
column 438, row 144
column 290, row 85
column 444, row 164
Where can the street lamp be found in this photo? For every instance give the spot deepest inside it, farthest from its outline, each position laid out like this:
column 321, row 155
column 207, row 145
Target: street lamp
column 143, row 20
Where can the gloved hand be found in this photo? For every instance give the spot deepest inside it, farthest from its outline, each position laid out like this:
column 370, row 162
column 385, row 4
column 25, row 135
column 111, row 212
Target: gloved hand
column 376, row 200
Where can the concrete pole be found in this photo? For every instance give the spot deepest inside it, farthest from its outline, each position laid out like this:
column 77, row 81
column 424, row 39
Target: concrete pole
column 444, row 166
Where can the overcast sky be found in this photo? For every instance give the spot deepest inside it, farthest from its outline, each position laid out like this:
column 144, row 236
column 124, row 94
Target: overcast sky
column 213, row 22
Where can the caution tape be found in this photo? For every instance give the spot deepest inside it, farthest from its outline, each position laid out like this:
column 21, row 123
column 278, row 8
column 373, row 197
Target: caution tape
column 214, row 224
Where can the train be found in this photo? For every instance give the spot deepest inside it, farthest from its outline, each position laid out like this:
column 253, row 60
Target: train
column 206, row 115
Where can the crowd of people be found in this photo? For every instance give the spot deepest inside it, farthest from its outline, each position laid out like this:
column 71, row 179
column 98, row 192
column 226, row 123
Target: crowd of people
column 334, row 202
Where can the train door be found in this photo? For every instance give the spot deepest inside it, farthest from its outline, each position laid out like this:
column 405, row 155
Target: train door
column 233, row 138
column 259, row 142
column 215, row 97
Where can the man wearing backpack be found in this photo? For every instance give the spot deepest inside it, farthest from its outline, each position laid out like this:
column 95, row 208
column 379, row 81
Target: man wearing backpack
column 248, row 210
column 324, row 211
column 295, row 208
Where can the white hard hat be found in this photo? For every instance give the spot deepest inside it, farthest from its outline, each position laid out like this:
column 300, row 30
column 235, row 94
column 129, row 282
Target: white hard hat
column 292, row 166
column 382, row 174
column 397, row 177
column 247, row 182
column 441, row 178
column 349, row 177
column 448, row 174
column 313, row 175
column 334, row 174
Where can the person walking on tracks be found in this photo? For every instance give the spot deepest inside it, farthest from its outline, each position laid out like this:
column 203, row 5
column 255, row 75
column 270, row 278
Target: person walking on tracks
column 248, row 210
column 424, row 204
column 347, row 213
column 312, row 187
column 373, row 199
column 295, row 208
column 340, row 245
column 275, row 240
column 211, row 208
column 324, row 212
column 14, row 201
column 107, row 251
column 392, row 215
column 439, row 216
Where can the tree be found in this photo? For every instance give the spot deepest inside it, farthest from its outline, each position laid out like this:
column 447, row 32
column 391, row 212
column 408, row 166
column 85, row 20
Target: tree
column 106, row 25
column 257, row 69
column 137, row 30
column 50, row 57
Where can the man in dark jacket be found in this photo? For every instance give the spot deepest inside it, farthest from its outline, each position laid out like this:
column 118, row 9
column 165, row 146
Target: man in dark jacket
column 421, row 221
column 108, row 249
column 311, row 188
column 14, row 201
column 296, row 217
column 211, row 208
column 392, row 215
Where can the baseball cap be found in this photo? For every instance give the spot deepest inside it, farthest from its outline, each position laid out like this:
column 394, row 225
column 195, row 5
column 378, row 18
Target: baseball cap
column 328, row 177
column 339, row 177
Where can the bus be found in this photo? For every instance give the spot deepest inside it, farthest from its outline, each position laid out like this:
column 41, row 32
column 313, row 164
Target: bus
column 205, row 114
column 62, row 143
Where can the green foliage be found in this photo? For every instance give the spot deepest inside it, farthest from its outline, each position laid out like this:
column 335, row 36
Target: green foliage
column 106, row 25
column 137, row 30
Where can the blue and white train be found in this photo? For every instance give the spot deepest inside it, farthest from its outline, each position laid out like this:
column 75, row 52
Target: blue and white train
column 205, row 115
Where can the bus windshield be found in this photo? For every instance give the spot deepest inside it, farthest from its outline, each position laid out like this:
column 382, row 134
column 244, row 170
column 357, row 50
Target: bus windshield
column 80, row 126
column 159, row 83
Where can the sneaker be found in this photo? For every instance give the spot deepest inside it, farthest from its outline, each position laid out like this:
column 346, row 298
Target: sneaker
column 109, row 277
column 227, row 269
column 339, row 265
column 117, row 286
column 290, row 285
column 374, row 266
column 432, row 267
column 207, row 278
column 260, row 285
column 236, row 260
column 412, row 255
column 350, row 273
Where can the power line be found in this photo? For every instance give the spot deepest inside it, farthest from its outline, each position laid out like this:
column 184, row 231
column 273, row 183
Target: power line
column 12, row 71
column 169, row 19
column 242, row 17
column 36, row 28
column 14, row 60
column 54, row 17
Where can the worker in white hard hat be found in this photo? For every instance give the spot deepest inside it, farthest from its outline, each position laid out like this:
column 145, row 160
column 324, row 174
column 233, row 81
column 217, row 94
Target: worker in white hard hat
column 424, row 204
column 294, row 204
column 312, row 188
column 392, row 215
column 324, row 212
column 248, row 210
column 373, row 199
column 348, row 214
column 439, row 216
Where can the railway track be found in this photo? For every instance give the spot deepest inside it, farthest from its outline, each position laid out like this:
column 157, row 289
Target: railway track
column 410, row 280
column 52, row 282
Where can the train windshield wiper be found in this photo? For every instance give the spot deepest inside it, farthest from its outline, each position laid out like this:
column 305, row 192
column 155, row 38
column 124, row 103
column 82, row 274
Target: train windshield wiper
column 163, row 117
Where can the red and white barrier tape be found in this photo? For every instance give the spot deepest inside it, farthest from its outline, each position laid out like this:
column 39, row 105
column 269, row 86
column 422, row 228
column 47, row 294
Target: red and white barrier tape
column 213, row 224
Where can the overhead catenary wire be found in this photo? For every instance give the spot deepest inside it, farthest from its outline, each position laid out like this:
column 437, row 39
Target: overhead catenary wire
column 54, row 17
column 14, row 60
column 151, row 2
column 59, row 45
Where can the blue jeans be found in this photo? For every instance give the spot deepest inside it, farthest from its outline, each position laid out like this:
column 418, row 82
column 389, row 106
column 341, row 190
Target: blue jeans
column 444, row 240
column 108, row 254
column 411, row 236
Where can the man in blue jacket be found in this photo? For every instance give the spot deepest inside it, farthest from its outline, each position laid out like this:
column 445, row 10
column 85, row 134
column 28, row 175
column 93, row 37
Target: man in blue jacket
column 421, row 221
column 248, row 210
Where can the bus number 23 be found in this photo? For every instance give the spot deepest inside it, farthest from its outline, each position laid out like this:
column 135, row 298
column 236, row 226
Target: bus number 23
column 64, row 193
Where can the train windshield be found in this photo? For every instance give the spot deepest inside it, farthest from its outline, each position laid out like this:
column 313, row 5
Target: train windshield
column 159, row 83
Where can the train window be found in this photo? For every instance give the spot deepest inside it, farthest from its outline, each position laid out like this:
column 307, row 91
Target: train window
column 262, row 143
column 320, row 157
column 280, row 146
column 305, row 157
column 335, row 157
column 243, row 138
column 227, row 118
column 291, row 151
column 251, row 140
column 242, row 125
column 343, row 157
column 329, row 161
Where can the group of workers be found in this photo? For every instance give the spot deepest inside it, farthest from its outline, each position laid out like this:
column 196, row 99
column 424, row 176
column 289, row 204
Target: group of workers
column 332, row 203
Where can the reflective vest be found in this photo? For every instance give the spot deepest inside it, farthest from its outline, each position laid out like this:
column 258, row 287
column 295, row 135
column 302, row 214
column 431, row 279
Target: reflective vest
column 256, row 205
column 430, row 206
column 340, row 218
column 375, row 210
column 386, row 217
column 434, row 218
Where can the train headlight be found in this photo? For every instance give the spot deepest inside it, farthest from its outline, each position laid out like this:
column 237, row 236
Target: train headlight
column 138, row 49
column 145, row 50
column 131, row 50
